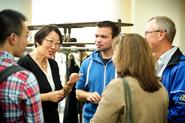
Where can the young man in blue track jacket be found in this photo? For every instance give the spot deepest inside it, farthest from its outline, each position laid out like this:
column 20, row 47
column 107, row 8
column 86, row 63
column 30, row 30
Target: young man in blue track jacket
column 98, row 69
column 170, row 66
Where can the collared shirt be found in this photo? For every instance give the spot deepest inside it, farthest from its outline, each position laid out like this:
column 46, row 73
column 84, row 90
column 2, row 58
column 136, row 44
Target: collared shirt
column 163, row 61
column 19, row 95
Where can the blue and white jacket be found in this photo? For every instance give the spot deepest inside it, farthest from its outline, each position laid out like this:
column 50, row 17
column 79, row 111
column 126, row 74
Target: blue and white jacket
column 173, row 78
column 96, row 76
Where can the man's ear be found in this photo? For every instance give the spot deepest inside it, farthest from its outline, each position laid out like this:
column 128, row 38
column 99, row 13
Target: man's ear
column 13, row 38
column 162, row 35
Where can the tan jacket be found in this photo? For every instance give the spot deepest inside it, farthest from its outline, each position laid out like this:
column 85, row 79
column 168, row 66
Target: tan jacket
column 147, row 107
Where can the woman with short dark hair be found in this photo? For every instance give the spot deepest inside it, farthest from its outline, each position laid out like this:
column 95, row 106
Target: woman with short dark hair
column 40, row 61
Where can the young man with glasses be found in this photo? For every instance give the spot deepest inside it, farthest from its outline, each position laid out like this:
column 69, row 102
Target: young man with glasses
column 170, row 66
column 19, row 93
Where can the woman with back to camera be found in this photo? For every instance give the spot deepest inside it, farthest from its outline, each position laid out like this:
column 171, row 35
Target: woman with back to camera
column 40, row 61
column 134, row 63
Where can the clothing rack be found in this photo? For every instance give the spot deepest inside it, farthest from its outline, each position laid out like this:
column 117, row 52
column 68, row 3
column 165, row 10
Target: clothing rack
column 69, row 47
column 68, row 26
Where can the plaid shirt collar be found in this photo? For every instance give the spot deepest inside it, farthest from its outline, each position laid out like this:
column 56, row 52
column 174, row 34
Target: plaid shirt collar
column 6, row 57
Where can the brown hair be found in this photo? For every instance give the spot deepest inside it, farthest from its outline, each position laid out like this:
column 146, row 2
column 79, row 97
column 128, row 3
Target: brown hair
column 133, row 57
column 112, row 25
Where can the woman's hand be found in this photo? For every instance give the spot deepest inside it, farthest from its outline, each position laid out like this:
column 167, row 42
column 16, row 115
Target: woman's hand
column 55, row 96
column 69, row 85
column 73, row 78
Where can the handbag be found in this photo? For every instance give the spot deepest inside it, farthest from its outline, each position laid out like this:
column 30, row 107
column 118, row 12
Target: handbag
column 128, row 101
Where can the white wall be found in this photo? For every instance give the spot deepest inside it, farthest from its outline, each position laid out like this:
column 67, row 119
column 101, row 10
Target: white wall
column 142, row 10
column 24, row 6
column 68, row 11
column 60, row 11
column 131, row 11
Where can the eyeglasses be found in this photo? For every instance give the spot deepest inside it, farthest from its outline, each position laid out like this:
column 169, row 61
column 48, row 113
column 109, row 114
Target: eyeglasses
column 147, row 32
column 29, row 37
column 51, row 42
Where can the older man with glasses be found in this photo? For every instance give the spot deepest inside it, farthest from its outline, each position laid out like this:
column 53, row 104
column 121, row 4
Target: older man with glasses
column 170, row 65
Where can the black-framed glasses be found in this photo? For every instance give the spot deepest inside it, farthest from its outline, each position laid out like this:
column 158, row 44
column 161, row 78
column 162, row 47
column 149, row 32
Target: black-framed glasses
column 28, row 37
column 147, row 32
column 159, row 30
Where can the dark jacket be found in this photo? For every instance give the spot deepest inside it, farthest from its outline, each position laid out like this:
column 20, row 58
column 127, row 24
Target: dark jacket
column 49, row 108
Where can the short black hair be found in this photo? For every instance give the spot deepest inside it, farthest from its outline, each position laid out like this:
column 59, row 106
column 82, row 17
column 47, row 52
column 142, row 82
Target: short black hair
column 10, row 22
column 112, row 25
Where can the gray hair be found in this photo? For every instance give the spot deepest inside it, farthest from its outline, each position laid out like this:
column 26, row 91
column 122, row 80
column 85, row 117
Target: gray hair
column 165, row 23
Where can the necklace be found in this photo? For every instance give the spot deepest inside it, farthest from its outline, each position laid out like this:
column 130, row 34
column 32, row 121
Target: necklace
column 41, row 63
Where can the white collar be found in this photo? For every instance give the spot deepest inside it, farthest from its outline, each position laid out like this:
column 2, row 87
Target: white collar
column 163, row 61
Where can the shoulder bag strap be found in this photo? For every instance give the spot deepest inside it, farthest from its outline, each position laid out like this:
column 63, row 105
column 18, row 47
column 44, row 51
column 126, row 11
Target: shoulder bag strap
column 4, row 74
column 128, row 101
